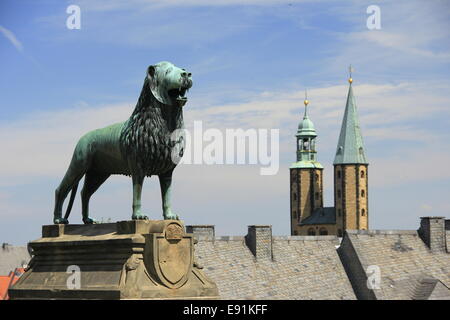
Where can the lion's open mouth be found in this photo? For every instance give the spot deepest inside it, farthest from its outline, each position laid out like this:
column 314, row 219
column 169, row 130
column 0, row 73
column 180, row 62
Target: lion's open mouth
column 178, row 94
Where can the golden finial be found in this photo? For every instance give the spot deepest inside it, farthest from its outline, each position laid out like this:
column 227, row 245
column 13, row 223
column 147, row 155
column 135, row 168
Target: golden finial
column 350, row 70
column 306, row 99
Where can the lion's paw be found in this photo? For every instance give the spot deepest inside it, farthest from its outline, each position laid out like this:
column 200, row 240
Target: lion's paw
column 171, row 216
column 60, row 221
column 139, row 216
column 89, row 220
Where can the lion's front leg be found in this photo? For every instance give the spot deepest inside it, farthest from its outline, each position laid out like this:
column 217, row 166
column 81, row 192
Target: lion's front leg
column 138, row 180
column 165, row 181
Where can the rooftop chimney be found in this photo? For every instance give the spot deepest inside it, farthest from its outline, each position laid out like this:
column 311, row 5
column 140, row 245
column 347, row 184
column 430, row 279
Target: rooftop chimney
column 202, row 232
column 432, row 232
column 259, row 241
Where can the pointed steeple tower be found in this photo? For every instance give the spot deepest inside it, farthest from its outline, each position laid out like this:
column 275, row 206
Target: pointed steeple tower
column 350, row 148
column 306, row 174
column 350, row 172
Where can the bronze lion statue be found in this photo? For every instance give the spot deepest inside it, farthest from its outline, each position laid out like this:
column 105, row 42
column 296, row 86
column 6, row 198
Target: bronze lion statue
column 139, row 147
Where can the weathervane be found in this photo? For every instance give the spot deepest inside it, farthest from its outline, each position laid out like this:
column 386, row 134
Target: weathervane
column 305, row 102
column 350, row 70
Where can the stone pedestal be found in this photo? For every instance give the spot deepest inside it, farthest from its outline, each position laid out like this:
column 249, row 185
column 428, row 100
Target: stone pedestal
column 123, row 260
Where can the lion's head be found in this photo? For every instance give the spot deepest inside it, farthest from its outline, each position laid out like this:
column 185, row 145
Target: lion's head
column 168, row 83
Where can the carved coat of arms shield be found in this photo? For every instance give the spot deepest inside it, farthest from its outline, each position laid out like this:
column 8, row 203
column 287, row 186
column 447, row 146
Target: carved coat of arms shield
column 170, row 257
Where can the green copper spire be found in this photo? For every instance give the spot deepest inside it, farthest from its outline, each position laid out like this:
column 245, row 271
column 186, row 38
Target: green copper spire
column 350, row 148
column 306, row 142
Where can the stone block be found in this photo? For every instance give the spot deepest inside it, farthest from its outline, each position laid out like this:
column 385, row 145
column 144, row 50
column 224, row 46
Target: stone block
column 151, row 259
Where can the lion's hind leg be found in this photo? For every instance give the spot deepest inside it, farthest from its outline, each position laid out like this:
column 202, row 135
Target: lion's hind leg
column 67, row 184
column 79, row 165
column 92, row 181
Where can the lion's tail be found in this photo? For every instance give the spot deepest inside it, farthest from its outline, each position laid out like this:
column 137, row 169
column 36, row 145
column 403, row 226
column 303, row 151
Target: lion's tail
column 72, row 198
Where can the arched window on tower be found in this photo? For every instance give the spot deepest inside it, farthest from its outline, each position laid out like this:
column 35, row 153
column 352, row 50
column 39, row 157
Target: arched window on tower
column 294, row 214
column 339, row 194
column 363, row 212
column 311, row 232
column 363, row 193
column 294, row 195
column 305, row 144
column 362, row 174
column 339, row 174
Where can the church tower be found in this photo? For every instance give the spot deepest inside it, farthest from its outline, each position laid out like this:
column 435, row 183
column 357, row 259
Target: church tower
column 350, row 172
column 306, row 175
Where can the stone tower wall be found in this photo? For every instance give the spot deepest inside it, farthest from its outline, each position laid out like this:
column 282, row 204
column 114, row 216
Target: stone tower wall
column 305, row 183
column 351, row 196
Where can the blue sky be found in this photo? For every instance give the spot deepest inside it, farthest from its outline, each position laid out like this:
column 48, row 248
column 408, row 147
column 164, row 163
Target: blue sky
column 251, row 62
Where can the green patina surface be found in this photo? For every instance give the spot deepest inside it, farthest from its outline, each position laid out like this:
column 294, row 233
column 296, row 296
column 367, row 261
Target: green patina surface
column 306, row 144
column 306, row 164
column 350, row 148
column 140, row 147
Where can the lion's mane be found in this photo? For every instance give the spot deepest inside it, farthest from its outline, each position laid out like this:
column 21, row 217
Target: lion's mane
column 145, row 136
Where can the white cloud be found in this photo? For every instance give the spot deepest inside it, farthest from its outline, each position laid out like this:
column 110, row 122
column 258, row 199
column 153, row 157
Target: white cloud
column 12, row 38
column 411, row 42
column 39, row 148
column 41, row 144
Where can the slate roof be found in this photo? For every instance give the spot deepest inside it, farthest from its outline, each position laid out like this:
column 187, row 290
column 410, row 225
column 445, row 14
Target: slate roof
column 12, row 257
column 325, row 215
column 406, row 263
column 350, row 148
column 429, row 288
column 303, row 267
